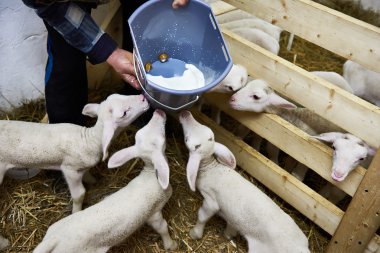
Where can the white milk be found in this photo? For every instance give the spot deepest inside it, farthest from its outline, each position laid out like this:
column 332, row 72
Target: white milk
column 191, row 79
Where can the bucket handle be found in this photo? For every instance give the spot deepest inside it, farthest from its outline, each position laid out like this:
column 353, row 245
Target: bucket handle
column 155, row 100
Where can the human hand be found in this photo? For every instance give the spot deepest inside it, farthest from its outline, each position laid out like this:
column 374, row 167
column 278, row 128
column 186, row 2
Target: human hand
column 122, row 62
column 179, row 3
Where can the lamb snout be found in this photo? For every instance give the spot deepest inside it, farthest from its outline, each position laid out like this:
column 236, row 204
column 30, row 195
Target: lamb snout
column 161, row 113
column 338, row 175
column 184, row 115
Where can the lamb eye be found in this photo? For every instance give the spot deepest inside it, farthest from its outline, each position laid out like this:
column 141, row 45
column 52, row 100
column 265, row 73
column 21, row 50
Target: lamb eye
column 333, row 147
column 210, row 139
column 125, row 112
column 255, row 97
column 186, row 139
column 230, row 88
column 361, row 159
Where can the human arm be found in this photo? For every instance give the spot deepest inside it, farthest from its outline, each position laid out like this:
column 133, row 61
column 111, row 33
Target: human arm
column 74, row 22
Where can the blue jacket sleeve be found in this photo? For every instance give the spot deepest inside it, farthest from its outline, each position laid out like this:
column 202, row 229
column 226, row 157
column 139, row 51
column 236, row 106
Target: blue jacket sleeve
column 77, row 27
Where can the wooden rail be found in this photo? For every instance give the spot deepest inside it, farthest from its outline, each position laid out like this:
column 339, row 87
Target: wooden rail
column 347, row 37
column 330, row 29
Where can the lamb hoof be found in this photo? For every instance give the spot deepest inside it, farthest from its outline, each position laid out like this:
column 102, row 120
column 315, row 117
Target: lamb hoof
column 194, row 234
column 173, row 246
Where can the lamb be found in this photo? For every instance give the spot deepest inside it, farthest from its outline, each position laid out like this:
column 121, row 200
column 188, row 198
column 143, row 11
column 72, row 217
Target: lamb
column 247, row 210
column 349, row 152
column 70, row 148
column 233, row 16
column 99, row 227
column 364, row 82
column 257, row 96
column 257, row 23
column 253, row 29
column 259, row 37
column 235, row 80
column 334, row 78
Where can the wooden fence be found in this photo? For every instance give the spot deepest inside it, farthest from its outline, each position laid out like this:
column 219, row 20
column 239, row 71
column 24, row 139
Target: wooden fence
column 345, row 36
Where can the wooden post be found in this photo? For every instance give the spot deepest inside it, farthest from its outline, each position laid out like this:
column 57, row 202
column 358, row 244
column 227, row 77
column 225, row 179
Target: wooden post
column 362, row 218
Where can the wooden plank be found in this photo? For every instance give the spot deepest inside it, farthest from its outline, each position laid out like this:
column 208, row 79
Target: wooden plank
column 112, row 24
column 220, row 7
column 362, row 218
column 330, row 29
column 327, row 100
column 291, row 140
column 300, row 196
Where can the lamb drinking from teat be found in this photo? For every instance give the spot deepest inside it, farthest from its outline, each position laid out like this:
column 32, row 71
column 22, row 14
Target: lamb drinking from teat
column 67, row 147
column 246, row 209
column 109, row 222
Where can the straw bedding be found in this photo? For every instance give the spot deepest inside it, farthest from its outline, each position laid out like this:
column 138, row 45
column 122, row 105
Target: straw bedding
column 28, row 207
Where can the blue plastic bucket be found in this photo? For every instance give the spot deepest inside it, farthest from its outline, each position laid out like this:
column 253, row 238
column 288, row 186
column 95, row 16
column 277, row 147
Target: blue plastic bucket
column 187, row 35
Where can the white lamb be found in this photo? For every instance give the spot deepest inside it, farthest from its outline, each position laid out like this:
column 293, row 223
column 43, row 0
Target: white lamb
column 67, row 147
column 349, row 152
column 109, row 222
column 258, row 37
column 257, row 23
column 334, row 78
column 232, row 16
column 364, row 82
column 246, row 209
column 235, row 80
column 254, row 29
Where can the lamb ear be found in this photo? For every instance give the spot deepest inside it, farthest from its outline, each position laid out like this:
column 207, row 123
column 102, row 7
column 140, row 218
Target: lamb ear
column 91, row 110
column 192, row 169
column 109, row 129
column 278, row 101
column 122, row 156
column 224, row 155
column 329, row 137
column 162, row 167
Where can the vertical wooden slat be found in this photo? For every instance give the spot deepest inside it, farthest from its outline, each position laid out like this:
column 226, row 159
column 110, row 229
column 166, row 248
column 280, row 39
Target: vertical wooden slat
column 362, row 217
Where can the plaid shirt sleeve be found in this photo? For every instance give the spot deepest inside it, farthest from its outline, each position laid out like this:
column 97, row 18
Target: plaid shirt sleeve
column 77, row 27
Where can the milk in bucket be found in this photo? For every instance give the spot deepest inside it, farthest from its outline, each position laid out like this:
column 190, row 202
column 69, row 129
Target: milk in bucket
column 192, row 78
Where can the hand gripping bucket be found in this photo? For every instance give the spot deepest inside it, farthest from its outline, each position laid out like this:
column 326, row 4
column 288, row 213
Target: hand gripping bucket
column 190, row 35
